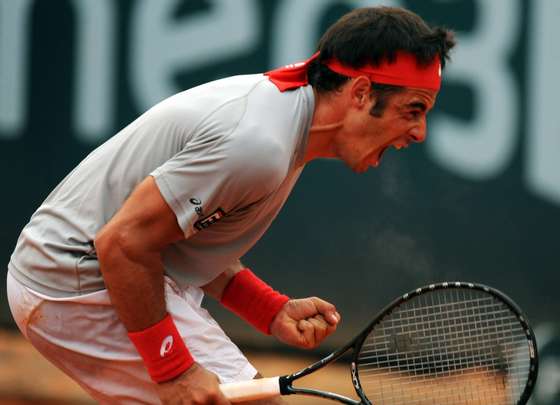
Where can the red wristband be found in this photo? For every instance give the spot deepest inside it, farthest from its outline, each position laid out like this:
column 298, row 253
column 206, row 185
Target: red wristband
column 163, row 350
column 253, row 300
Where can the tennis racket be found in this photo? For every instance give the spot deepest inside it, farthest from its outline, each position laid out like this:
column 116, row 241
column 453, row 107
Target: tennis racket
column 443, row 344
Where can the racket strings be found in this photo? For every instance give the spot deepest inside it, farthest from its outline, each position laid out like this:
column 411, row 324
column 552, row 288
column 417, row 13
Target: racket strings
column 446, row 347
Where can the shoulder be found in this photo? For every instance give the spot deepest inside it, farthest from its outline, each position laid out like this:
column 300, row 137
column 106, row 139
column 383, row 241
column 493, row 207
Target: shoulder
column 226, row 101
column 256, row 161
column 242, row 130
column 221, row 100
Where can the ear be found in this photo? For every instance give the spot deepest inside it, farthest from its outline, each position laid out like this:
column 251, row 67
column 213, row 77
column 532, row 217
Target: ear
column 360, row 91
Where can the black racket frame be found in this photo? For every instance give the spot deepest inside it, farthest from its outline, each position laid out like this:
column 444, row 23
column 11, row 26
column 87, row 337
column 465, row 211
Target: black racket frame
column 286, row 381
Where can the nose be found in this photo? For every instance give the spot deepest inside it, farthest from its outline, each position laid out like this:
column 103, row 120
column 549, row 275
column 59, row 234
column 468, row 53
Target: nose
column 418, row 132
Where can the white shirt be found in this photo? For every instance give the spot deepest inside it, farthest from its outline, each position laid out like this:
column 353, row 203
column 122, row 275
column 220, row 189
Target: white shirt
column 225, row 156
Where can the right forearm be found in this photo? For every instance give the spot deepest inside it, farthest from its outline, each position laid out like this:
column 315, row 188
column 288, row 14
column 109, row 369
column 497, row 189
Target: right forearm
column 135, row 286
column 135, row 282
column 129, row 250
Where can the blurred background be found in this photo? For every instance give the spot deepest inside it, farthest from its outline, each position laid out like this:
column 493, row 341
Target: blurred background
column 478, row 201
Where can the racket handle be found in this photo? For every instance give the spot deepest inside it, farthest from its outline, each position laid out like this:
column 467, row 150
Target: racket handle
column 258, row 388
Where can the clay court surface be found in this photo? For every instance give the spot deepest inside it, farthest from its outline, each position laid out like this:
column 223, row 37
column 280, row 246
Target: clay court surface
column 27, row 379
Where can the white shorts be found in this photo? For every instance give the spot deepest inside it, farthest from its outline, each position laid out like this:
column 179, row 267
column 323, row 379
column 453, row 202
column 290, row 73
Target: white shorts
column 84, row 338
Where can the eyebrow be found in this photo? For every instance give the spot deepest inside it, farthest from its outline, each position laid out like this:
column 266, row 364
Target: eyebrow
column 419, row 105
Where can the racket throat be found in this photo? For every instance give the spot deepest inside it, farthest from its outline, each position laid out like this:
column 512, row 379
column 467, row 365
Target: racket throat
column 286, row 388
column 285, row 385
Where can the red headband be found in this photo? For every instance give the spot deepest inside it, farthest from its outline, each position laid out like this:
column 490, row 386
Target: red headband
column 403, row 71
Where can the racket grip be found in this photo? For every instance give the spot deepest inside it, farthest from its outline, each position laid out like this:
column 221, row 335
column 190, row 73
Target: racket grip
column 258, row 388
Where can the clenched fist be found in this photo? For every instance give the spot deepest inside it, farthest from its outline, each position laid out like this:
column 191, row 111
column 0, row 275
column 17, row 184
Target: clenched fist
column 305, row 322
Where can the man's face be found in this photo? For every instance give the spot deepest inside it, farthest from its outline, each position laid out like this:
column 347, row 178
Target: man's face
column 364, row 138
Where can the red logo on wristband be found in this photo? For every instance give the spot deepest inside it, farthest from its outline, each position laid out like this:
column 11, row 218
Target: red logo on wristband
column 166, row 346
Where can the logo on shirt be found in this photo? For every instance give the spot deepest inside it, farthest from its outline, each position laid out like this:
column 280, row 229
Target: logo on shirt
column 198, row 206
column 210, row 219
column 166, row 346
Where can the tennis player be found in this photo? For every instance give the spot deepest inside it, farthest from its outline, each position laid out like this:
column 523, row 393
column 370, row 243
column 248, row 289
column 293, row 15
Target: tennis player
column 107, row 278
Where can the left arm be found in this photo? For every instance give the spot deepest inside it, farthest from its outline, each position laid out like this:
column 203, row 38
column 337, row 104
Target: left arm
column 303, row 323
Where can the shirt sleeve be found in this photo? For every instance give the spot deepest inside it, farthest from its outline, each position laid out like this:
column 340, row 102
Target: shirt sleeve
column 202, row 183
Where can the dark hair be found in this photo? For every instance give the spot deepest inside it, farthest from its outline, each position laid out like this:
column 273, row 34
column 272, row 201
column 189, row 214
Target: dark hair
column 371, row 35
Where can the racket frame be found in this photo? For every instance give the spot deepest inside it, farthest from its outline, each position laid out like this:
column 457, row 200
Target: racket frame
column 529, row 334
column 285, row 382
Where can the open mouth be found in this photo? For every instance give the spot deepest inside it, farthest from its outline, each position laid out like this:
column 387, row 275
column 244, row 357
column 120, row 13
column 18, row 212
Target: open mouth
column 372, row 160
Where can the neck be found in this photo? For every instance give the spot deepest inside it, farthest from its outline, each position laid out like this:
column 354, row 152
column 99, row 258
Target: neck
column 327, row 121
